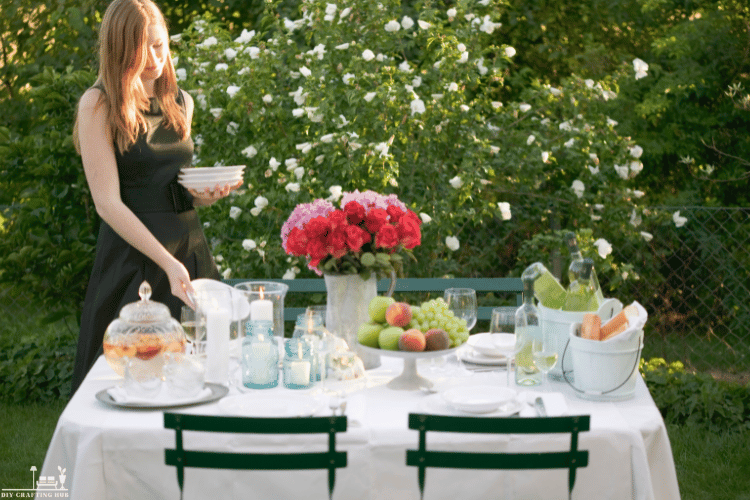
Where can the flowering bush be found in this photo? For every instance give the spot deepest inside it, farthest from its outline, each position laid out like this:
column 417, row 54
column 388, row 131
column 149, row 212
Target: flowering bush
column 367, row 95
column 361, row 237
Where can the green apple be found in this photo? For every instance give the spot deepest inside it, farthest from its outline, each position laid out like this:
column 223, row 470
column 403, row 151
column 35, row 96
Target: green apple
column 378, row 306
column 369, row 333
column 389, row 337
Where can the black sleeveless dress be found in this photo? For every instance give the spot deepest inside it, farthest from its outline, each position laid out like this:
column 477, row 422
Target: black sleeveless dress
column 148, row 186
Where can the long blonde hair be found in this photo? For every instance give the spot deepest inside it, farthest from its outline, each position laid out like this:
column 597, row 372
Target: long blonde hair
column 123, row 39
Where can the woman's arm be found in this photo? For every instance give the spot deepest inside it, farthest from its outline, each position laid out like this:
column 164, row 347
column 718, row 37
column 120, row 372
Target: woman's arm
column 100, row 166
column 205, row 197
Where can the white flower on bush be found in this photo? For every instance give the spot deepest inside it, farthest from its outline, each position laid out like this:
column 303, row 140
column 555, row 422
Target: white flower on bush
column 530, row 140
column 603, row 247
column 245, row 36
column 494, row 150
column 326, row 138
column 524, row 107
column 451, row 13
column 679, row 220
column 489, row 27
column 504, row 207
column 425, row 218
column 221, row 67
column 304, row 147
column 253, row 52
column 291, row 164
column 392, row 26
column 305, row 71
column 345, row 12
column 407, row 22
column 216, row 112
column 208, row 42
column 336, row 192
column 404, row 67
column 181, row 73
column 578, row 188
column 343, row 46
column 647, row 236
column 227, row 273
column 234, row 212
column 452, row 243
column 368, row 55
column 638, row 194
column 635, row 168
column 232, row 90
column 496, row 104
column 319, row 159
column 611, row 122
column 297, row 112
column 464, row 57
column 273, row 163
column 249, row 244
column 417, row 106
column 370, row 96
column 636, row 151
column 201, row 98
column 641, row 68
column 382, row 148
column 623, row 171
column 465, row 108
column 424, row 24
column 232, row 128
column 481, row 67
column 510, row 51
column 545, row 156
column 452, row 87
column 593, row 170
column 289, row 275
column 347, row 78
column 292, row 187
column 250, row 151
column 566, row 126
column 268, row 98
column 569, row 143
column 299, row 172
column 230, row 53
column 456, row 182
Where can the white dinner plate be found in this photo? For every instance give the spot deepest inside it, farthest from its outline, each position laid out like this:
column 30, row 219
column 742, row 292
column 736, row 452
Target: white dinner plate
column 436, row 405
column 217, row 391
column 469, row 355
column 217, row 170
column 478, row 398
column 210, row 177
column 491, row 344
column 276, row 405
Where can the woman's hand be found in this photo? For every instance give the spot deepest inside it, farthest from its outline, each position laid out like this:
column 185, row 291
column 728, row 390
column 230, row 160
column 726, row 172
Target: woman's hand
column 206, row 196
column 179, row 282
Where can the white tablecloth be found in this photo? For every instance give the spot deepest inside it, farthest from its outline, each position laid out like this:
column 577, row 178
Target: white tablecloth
column 113, row 453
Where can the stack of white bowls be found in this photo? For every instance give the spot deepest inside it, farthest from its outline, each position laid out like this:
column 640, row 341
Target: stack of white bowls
column 200, row 178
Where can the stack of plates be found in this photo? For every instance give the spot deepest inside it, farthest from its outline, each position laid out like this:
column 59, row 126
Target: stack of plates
column 200, row 178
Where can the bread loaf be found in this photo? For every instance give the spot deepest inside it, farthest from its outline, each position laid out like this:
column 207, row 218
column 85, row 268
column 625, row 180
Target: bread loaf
column 591, row 326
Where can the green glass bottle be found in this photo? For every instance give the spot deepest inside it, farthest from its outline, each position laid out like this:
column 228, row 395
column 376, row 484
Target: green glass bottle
column 577, row 256
column 581, row 295
column 547, row 289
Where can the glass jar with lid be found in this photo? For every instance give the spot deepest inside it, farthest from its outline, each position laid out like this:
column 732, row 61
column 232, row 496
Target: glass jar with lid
column 145, row 330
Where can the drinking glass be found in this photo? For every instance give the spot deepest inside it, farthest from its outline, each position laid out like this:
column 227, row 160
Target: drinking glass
column 194, row 327
column 544, row 354
column 503, row 320
column 463, row 303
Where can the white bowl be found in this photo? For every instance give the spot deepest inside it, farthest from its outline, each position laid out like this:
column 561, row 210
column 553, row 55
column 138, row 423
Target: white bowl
column 216, row 170
column 485, row 343
column 478, row 398
column 505, row 342
column 201, row 184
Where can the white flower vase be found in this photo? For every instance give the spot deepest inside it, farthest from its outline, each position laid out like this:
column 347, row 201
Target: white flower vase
column 346, row 309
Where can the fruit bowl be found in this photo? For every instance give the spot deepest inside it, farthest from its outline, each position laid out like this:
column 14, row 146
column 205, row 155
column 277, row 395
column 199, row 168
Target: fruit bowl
column 409, row 380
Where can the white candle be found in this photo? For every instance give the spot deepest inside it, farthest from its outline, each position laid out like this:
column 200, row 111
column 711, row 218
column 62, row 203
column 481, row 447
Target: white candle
column 261, row 310
column 217, row 345
column 299, row 372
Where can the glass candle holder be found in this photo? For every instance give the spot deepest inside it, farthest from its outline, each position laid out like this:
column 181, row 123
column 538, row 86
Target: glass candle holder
column 298, row 364
column 260, row 357
column 266, row 298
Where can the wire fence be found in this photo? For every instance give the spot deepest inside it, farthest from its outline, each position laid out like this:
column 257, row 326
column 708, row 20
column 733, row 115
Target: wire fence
column 694, row 282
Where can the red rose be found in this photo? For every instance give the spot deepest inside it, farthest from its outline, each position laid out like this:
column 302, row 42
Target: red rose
column 387, row 237
column 317, row 251
column 409, row 232
column 355, row 213
column 356, row 237
column 337, row 243
column 413, row 216
column 376, row 217
column 395, row 213
column 296, row 243
column 317, row 228
column 337, row 220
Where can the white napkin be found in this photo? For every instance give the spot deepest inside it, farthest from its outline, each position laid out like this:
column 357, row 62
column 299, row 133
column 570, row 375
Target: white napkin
column 120, row 395
column 554, row 403
column 240, row 303
column 635, row 326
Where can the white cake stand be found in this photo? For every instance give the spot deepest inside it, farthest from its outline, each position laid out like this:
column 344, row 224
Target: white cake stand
column 409, row 380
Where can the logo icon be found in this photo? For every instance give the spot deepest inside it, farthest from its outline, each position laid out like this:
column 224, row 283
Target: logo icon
column 44, row 487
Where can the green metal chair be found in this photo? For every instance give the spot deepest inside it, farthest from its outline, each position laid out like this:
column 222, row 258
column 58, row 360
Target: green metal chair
column 570, row 460
column 181, row 458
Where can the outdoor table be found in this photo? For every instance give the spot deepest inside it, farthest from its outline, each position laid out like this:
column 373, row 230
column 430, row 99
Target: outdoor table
column 115, row 453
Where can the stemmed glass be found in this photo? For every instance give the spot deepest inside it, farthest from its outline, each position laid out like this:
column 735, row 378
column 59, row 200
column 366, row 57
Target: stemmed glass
column 194, row 327
column 544, row 355
column 463, row 303
column 503, row 320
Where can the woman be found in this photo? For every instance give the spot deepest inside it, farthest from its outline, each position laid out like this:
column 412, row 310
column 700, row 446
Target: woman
column 133, row 134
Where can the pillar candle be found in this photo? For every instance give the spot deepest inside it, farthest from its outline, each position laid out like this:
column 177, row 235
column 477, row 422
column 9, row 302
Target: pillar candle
column 261, row 310
column 217, row 345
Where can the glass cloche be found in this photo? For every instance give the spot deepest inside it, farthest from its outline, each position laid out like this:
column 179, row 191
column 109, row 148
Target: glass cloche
column 145, row 330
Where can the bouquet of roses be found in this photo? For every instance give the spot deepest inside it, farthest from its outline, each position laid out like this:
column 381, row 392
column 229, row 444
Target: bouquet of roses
column 363, row 236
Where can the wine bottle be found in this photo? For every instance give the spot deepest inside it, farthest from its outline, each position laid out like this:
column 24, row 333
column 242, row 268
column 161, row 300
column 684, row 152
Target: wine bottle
column 581, row 295
column 577, row 256
column 547, row 289
column 528, row 329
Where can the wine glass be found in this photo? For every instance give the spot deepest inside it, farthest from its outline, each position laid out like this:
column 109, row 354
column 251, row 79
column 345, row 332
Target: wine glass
column 544, row 355
column 503, row 320
column 195, row 330
column 463, row 303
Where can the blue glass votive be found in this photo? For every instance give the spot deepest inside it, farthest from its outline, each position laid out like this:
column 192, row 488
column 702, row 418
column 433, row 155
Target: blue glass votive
column 298, row 364
column 260, row 357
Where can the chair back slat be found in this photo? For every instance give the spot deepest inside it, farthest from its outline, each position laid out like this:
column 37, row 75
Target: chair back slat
column 571, row 460
column 181, row 458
